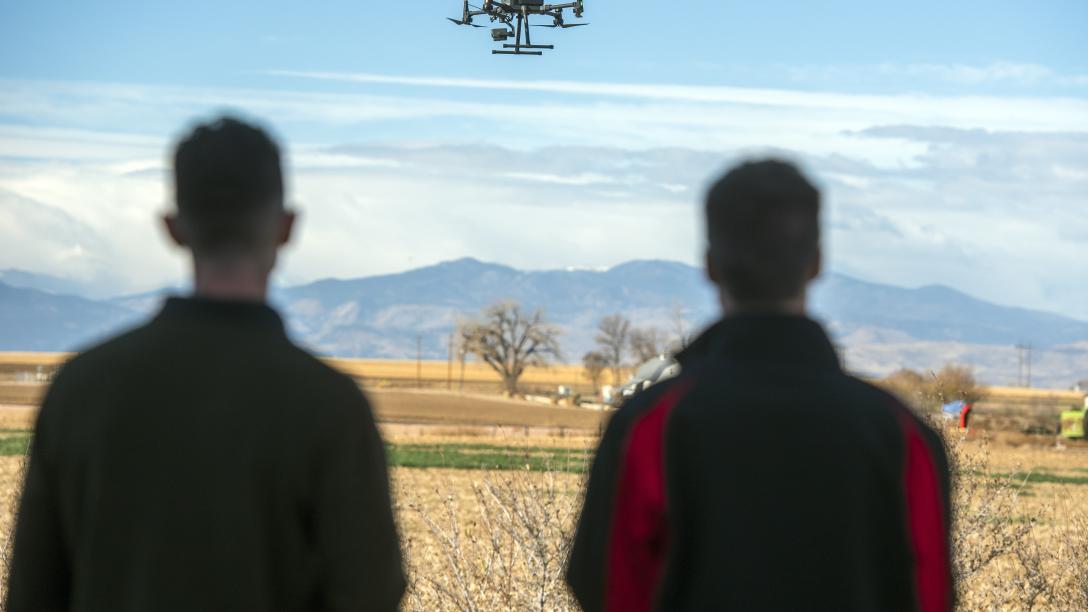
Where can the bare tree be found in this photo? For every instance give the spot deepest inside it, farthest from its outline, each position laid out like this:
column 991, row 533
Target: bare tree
column 953, row 383
column 508, row 340
column 679, row 327
column 646, row 343
column 909, row 386
column 612, row 335
column 928, row 394
column 595, row 363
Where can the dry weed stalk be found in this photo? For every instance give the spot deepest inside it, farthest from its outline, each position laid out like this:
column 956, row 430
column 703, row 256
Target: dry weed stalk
column 1007, row 557
column 510, row 555
column 12, row 501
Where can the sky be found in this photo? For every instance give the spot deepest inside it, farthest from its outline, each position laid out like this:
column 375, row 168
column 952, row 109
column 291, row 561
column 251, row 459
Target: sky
column 950, row 139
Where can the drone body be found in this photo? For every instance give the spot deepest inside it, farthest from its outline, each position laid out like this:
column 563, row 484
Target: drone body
column 513, row 15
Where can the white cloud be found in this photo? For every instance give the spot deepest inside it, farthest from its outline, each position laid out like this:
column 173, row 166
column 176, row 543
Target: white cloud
column 581, row 179
column 1015, row 75
column 954, row 111
column 984, row 194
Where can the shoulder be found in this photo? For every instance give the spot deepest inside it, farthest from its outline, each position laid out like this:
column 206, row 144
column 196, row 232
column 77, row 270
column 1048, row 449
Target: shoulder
column 664, row 394
column 91, row 363
column 902, row 419
column 337, row 393
column 323, row 373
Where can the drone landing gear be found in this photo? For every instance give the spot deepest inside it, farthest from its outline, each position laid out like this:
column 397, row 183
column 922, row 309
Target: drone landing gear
column 517, row 49
column 522, row 27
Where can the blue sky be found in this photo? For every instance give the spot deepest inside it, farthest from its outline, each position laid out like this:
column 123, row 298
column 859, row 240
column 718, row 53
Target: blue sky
column 951, row 137
column 696, row 42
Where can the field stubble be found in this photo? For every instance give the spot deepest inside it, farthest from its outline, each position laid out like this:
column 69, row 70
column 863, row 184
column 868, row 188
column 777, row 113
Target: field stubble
column 496, row 539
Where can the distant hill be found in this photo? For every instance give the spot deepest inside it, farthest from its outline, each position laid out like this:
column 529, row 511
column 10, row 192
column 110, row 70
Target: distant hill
column 33, row 320
column 380, row 316
column 880, row 327
column 938, row 313
column 50, row 284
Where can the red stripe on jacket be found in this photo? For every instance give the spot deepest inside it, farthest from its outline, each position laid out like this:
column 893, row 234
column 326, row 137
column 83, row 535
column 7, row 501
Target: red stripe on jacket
column 639, row 534
column 925, row 522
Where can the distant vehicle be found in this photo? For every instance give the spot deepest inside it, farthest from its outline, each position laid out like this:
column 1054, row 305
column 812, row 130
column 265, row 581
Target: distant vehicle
column 959, row 411
column 513, row 15
column 1075, row 422
column 662, row 367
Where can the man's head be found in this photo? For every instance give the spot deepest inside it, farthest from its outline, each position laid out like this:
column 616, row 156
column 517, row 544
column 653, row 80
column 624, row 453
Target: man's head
column 228, row 187
column 763, row 232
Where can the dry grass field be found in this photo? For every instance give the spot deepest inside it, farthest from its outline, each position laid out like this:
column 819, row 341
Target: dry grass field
column 385, row 372
column 487, row 490
column 440, row 371
column 496, row 539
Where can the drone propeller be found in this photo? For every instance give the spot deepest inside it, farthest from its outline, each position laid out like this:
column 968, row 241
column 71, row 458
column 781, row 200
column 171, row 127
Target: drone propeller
column 559, row 25
column 459, row 22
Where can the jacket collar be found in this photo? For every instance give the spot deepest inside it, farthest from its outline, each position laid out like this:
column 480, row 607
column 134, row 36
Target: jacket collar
column 257, row 316
column 772, row 338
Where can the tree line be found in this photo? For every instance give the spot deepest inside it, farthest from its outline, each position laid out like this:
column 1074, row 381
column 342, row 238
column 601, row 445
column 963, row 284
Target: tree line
column 510, row 339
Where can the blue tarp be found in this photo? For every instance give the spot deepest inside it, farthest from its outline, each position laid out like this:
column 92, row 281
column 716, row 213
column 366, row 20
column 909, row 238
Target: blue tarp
column 955, row 407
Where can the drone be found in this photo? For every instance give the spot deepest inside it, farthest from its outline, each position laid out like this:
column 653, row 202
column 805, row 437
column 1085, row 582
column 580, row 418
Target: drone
column 514, row 17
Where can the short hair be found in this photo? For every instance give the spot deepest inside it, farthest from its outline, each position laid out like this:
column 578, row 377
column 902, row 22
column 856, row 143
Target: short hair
column 763, row 229
column 227, row 177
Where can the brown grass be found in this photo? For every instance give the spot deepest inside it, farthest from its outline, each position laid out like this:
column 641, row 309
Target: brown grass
column 388, row 371
column 496, row 541
column 557, row 374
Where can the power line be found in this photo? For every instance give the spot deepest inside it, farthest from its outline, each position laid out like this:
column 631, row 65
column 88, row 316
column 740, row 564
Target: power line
column 1023, row 355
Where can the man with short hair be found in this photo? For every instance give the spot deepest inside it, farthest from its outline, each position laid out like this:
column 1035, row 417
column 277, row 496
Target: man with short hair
column 764, row 477
column 202, row 461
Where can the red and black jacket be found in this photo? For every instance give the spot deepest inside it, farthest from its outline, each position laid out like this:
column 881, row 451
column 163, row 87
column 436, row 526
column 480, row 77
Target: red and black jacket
column 765, row 478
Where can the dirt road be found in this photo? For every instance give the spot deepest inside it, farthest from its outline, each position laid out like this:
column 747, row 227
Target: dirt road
column 436, row 408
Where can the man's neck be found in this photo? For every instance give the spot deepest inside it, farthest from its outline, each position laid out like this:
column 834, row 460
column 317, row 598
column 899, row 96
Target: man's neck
column 797, row 307
column 237, row 281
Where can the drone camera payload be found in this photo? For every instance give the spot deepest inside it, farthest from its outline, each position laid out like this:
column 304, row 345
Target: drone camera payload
column 514, row 17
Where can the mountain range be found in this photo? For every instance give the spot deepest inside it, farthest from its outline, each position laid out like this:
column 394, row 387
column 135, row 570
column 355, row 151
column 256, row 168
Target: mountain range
column 878, row 327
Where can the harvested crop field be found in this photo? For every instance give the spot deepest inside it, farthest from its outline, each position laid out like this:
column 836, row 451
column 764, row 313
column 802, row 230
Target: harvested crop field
column 429, row 410
column 467, row 502
column 436, row 408
column 487, row 490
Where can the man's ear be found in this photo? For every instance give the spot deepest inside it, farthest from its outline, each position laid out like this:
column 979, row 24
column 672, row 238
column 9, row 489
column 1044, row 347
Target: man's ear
column 174, row 230
column 817, row 265
column 711, row 269
column 287, row 227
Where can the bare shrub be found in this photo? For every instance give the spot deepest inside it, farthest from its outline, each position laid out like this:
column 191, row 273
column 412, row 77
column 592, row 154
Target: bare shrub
column 1006, row 555
column 983, row 532
column 928, row 392
column 507, row 552
column 953, row 383
column 11, row 501
column 594, row 363
column 909, row 386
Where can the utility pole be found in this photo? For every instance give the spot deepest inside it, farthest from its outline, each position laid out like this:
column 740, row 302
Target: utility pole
column 1024, row 354
column 419, row 360
column 449, row 365
column 1019, row 365
column 1030, row 348
column 461, row 388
